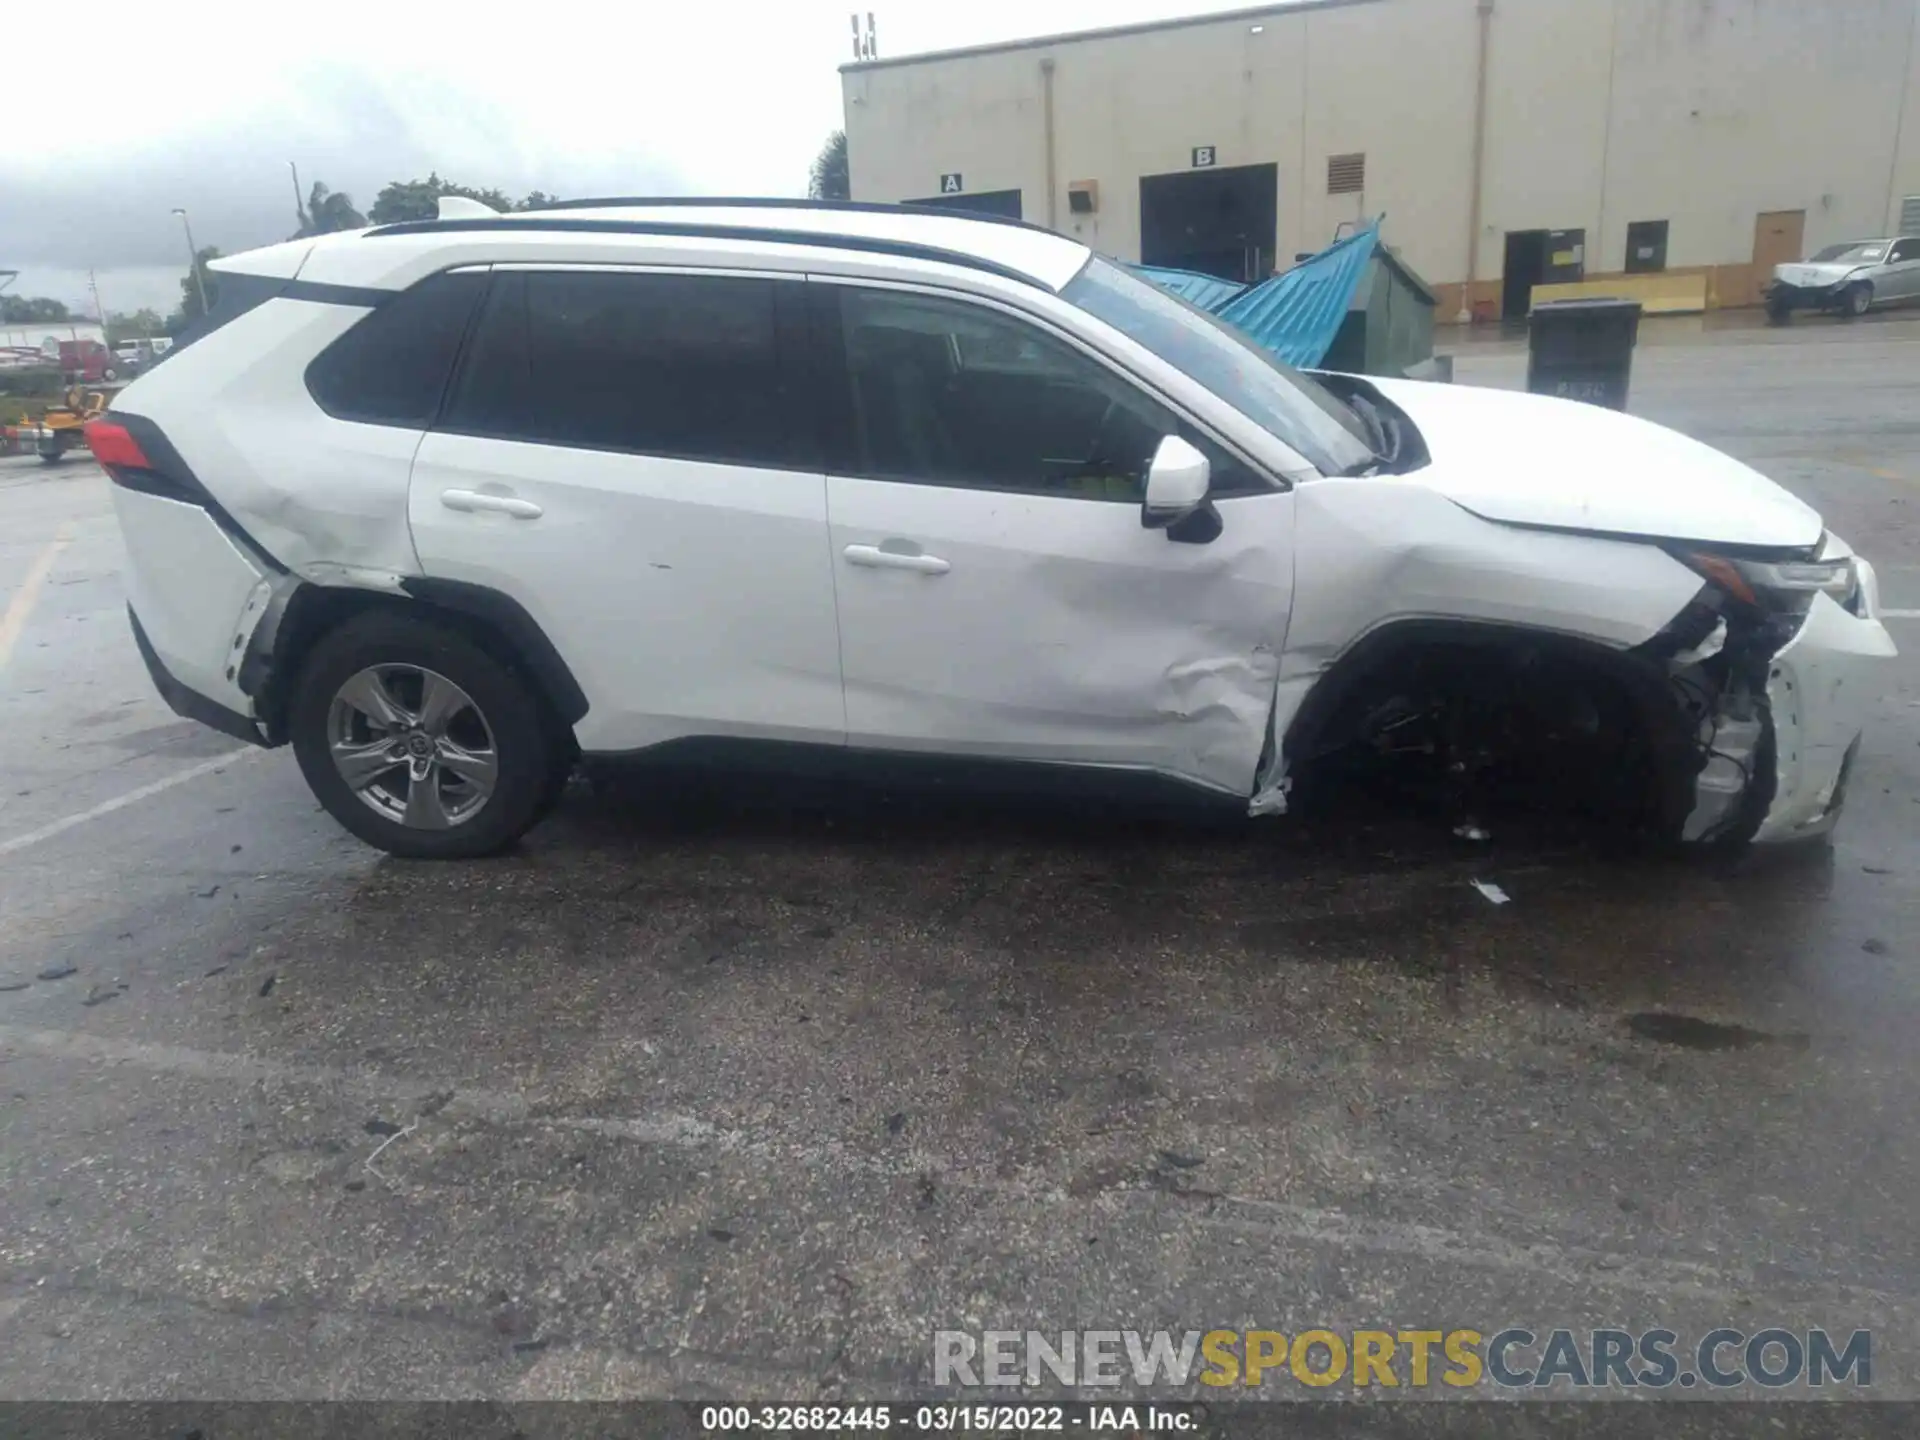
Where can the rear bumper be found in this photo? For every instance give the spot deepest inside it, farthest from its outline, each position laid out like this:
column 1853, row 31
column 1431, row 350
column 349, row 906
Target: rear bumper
column 1819, row 690
column 191, row 704
column 197, row 598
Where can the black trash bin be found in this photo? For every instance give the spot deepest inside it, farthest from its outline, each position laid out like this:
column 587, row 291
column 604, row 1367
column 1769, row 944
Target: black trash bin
column 1583, row 350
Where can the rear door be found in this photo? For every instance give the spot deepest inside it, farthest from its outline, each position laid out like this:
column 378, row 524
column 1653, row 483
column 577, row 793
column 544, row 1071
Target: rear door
column 626, row 453
column 998, row 593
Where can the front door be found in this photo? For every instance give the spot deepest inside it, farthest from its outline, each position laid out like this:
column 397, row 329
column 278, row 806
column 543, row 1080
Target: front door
column 1779, row 238
column 998, row 595
column 1901, row 281
column 627, row 454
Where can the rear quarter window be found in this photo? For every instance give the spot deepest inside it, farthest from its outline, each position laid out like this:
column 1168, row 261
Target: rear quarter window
column 392, row 367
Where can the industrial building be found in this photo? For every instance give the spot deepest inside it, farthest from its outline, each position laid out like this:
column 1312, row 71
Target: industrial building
column 1683, row 147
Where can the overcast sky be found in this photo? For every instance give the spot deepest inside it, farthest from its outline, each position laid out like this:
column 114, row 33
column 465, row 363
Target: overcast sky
column 201, row 104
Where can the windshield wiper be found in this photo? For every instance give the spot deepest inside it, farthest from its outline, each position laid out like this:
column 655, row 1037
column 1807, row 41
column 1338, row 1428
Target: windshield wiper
column 1382, row 443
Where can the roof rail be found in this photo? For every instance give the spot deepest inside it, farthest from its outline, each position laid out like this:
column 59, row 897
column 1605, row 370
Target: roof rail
column 531, row 220
column 789, row 202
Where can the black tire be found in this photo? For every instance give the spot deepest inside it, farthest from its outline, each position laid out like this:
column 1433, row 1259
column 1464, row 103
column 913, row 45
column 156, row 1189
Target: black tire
column 526, row 748
column 1858, row 301
column 1778, row 314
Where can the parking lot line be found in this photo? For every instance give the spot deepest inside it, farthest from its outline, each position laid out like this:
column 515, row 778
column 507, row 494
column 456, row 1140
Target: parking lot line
column 28, row 595
column 120, row 802
column 1900, row 614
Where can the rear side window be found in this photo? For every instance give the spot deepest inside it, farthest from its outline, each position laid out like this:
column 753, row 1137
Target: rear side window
column 684, row 366
column 392, row 367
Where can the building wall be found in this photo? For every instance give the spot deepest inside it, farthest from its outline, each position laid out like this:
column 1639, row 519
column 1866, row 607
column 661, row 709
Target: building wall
column 1703, row 113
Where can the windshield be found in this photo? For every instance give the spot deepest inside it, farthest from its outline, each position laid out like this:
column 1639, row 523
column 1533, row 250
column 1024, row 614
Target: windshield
column 1279, row 398
column 1854, row 252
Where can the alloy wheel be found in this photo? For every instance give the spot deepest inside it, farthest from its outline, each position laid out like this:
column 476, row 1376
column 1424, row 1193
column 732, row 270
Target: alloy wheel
column 413, row 746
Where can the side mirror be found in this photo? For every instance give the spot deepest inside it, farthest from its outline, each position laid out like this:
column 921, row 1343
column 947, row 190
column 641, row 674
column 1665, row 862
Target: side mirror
column 1177, row 481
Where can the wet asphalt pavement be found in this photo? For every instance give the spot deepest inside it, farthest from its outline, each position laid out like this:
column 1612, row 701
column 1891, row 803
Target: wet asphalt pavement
column 743, row 1094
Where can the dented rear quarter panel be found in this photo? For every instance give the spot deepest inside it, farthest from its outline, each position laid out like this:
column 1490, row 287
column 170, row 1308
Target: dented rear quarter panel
column 326, row 498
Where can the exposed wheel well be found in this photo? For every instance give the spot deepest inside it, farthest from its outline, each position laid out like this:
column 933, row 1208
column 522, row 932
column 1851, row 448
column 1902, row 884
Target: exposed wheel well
column 1462, row 704
column 492, row 620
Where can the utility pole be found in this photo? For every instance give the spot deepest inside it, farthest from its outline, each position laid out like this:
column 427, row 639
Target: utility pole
column 299, row 201
column 193, row 261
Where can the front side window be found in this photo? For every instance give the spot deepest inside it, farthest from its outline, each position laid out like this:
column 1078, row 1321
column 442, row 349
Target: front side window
column 1290, row 405
column 679, row 366
column 946, row 392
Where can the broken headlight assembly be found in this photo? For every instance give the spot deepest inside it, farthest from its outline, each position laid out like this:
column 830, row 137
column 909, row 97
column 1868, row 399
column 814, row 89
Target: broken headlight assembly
column 1780, row 586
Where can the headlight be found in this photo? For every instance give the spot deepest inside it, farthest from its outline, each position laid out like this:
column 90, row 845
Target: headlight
column 1779, row 584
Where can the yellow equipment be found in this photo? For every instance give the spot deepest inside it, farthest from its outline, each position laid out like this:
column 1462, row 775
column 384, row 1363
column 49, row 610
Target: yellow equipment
column 63, row 427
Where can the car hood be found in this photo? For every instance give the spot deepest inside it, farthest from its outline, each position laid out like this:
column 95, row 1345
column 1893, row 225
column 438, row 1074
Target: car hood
column 1815, row 277
column 1530, row 460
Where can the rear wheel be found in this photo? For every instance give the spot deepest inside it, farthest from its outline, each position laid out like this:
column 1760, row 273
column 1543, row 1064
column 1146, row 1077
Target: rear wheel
column 420, row 742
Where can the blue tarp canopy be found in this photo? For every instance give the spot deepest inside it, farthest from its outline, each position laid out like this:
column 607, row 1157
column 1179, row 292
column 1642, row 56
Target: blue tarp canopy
column 1296, row 315
column 1209, row 292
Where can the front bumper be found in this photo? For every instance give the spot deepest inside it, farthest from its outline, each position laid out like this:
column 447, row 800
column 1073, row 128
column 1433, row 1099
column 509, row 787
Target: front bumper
column 1784, row 297
column 1819, row 689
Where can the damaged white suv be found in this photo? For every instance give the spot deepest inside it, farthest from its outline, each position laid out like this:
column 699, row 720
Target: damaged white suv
column 450, row 504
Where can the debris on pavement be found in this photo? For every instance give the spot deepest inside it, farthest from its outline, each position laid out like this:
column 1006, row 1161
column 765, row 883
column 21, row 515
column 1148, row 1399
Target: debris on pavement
column 57, row 972
column 1493, row 892
column 1467, row 830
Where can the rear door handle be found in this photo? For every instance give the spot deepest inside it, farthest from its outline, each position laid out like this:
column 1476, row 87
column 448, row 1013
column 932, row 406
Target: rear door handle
column 470, row 501
column 875, row 558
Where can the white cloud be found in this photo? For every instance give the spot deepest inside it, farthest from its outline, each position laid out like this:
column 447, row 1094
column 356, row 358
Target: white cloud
column 202, row 104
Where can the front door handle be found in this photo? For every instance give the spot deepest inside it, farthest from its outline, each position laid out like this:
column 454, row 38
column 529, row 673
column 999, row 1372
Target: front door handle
column 469, row 501
column 878, row 559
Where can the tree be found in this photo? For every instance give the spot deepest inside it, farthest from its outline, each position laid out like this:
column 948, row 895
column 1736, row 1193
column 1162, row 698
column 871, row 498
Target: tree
column 190, row 308
column 26, row 310
column 142, row 324
column 327, row 211
column 402, row 200
column 537, row 200
column 830, row 178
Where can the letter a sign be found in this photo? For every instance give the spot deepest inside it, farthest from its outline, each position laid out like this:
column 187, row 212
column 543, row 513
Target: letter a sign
column 950, row 183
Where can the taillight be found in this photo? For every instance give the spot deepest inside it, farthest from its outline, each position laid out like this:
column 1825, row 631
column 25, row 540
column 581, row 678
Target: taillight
column 113, row 445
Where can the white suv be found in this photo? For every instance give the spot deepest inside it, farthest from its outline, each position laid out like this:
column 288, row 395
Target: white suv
column 450, row 504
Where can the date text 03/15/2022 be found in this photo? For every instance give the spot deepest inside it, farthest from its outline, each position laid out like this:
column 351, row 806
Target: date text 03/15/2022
column 950, row 1418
